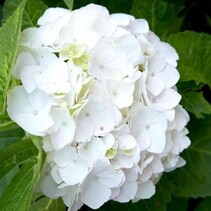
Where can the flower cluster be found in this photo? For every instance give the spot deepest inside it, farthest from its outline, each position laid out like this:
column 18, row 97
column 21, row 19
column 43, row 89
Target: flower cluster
column 100, row 91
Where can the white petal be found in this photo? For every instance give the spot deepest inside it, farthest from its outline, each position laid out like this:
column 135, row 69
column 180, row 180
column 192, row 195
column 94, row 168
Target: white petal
column 24, row 59
column 51, row 23
column 64, row 156
column 94, row 115
column 48, row 187
column 55, row 175
column 146, row 47
column 169, row 75
column 121, row 94
column 62, row 137
column 93, row 150
column 142, row 137
column 139, row 26
column 63, row 130
column 39, row 100
column 48, row 34
column 108, row 140
column 157, row 166
column 30, row 38
column 70, row 196
column 132, row 173
column 127, row 142
column 47, row 146
column 77, row 204
column 181, row 117
column 122, row 161
column 169, row 53
column 170, row 114
column 52, row 14
column 109, row 62
column 112, row 178
column 156, row 63
column 121, row 19
column 142, row 125
column 74, row 173
column 181, row 162
column 84, row 129
column 155, row 85
column 100, row 192
column 157, row 139
column 130, row 45
column 94, row 17
column 168, row 99
column 108, row 175
column 127, row 192
column 27, row 77
column 54, row 78
column 23, row 110
column 62, row 118
column 180, row 141
column 146, row 174
column 145, row 191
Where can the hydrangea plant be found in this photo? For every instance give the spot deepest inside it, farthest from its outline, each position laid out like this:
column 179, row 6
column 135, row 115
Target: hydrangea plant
column 95, row 94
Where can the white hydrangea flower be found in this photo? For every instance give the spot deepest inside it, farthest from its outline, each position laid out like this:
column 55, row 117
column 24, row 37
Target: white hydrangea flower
column 99, row 183
column 48, row 185
column 92, row 151
column 149, row 127
column 109, row 62
column 63, row 130
column 145, row 191
column 31, row 112
column 100, row 90
column 95, row 118
column 129, row 188
column 52, row 21
column 68, row 161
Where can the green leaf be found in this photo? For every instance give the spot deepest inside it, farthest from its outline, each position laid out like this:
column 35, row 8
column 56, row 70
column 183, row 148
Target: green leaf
column 193, row 99
column 194, row 50
column 176, row 204
column 188, row 86
column 160, row 14
column 193, row 180
column 5, row 181
column 205, row 205
column 111, row 205
column 81, row 3
column 55, row 3
column 17, row 195
column 9, row 134
column 15, row 155
column 10, row 7
column 42, row 203
column 9, row 35
column 122, row 6
column 1, row 14
column 33, row 10
column 69, row 4
column 195, row 103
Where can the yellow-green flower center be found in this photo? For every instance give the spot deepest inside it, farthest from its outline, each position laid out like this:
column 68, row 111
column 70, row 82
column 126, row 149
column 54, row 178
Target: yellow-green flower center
column 77, row 54
column 111, row 153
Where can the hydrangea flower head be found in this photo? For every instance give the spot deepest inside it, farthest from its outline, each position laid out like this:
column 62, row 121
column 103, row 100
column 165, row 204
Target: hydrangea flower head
column 100, row 90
